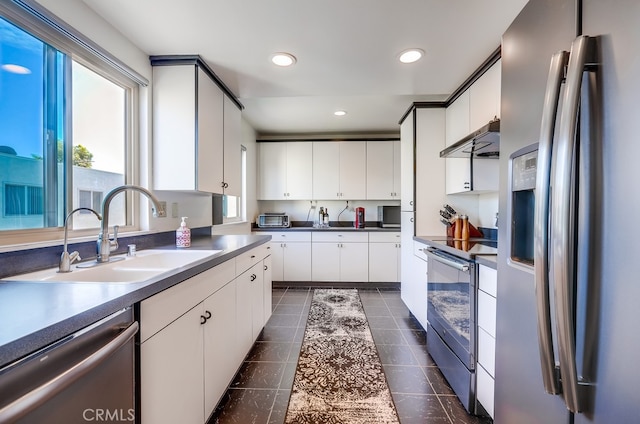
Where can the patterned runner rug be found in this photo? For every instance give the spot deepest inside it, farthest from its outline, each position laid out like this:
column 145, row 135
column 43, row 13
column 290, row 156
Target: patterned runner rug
column 339, row 377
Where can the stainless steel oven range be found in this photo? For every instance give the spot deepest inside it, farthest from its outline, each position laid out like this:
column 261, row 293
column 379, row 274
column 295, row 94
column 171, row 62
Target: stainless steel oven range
column 451, row 312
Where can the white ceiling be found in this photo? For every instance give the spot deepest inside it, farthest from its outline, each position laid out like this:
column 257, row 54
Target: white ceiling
column 346, row 50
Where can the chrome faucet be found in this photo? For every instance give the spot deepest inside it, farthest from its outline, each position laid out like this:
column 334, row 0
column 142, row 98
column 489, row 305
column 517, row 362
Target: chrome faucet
column 66, row 259
column 106, row 245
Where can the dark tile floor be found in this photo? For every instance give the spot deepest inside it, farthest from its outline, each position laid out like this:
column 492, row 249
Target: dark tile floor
column 260, row 391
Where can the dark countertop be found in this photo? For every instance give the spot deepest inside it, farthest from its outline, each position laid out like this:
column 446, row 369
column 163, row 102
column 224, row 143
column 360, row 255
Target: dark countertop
column 35, row 314
column 331, row 228
column 474, row 247
column 488, row 260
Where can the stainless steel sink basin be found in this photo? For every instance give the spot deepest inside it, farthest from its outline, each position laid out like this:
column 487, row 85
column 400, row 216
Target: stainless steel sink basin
column 145, row 265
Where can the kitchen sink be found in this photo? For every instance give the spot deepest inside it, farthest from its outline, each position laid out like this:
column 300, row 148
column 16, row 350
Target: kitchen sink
column 146, row 264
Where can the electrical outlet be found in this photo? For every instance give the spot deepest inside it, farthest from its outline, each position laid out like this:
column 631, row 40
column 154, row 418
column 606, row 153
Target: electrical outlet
column 174, row 210
column 162, row 211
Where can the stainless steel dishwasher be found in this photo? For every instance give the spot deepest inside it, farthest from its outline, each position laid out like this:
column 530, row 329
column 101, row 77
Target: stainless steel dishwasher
column 85, row 377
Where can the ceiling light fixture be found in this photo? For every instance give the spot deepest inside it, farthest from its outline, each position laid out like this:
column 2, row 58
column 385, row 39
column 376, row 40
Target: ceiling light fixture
column 283, row 59
column 16, row 69
column 411, row 55
column 340, row 113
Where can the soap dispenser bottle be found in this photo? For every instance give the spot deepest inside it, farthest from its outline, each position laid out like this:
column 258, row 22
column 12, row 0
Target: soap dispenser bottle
column 183, row 234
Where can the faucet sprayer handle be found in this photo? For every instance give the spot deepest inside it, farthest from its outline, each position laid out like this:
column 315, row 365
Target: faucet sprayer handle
column 113, row 243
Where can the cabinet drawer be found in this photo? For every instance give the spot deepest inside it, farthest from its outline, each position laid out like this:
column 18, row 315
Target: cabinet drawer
column 287, row 236
column 248, row 259
column 384, row 237
column 485, row 389
column 340, row 237
column 487, row 351
column 487, row 312
column 165, row 307
column 420, row 250
column 488, row 280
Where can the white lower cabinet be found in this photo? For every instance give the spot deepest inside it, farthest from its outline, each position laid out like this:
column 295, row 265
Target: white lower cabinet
column 171, row 367
column 414, row 285
column 384, row 257
column 291, row 255
column 340, row 256
column 195, row 335
column 220, row 363
column 487, row 290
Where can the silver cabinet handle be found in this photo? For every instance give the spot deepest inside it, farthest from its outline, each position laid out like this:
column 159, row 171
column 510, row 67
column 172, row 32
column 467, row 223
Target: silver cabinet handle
column 541, row 224
column 27, row 403
column 562, row 223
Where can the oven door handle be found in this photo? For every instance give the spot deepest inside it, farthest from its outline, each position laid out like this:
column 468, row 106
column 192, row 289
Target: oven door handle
column 460, row 266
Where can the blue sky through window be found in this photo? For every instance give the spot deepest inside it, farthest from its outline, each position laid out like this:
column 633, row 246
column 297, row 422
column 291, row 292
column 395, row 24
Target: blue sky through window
column 21, row 93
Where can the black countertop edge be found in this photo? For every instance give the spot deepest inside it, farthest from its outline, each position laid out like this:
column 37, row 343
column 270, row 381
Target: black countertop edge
column 487, row 260
column 30, row 321
column 332, row 227
column 457, row 252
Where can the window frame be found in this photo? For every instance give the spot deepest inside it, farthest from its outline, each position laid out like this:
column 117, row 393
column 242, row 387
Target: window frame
column 31, row 17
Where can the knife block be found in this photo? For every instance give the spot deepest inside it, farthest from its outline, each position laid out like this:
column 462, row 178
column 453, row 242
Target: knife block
column 473, row 231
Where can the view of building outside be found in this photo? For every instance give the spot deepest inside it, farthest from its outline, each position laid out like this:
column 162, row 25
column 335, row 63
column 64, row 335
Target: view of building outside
column 34, row 78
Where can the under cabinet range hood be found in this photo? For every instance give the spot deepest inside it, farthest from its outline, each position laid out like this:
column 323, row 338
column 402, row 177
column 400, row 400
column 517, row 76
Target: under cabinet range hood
column 482, row 144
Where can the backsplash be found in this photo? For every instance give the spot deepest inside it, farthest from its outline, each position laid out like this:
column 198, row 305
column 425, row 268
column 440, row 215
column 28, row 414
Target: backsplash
column 22, row 261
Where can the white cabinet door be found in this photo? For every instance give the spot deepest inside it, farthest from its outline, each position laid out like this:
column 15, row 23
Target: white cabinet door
column 458, row 175
column 232, row 148
column 380, row 170
column 326, row 170
column 277, row 261
column 268, row 289
column 256, row 278
column 396, row 169
column 354, row 262
column 272, row 171
column 339, row 170
column 325, row 261
column 220, row 359
column 383, row 262
column 297, row 261
column 353, row 170
column 407, row 165
column 299, row 170
column 244, row 319
column 484, row 98
column 169, row 393
column 187, row 130
column 430, row 169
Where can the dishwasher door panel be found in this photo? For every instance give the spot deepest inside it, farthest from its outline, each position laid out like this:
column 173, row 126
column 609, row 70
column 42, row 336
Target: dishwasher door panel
column 88, row 376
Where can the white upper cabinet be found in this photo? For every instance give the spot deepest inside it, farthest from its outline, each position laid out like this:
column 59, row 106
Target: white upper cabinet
column 285, row 171
column 339, row 170
column 232, row 178
column 458, row 171
column 383, row 170
column 187, row 130
column 475, row 108
column 484, row 98
column 407, row 163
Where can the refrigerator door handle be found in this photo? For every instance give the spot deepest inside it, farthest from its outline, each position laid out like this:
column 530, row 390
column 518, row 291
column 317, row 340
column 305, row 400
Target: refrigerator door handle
column 562, row 225
column 541, row 221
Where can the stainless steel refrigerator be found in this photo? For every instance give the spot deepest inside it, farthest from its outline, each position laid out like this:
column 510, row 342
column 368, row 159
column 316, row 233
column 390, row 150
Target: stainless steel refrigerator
column 568, row 288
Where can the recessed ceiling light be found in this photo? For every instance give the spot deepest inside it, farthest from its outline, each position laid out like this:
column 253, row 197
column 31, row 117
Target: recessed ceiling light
column 411, row 55
column 16, row 69
column 283, row 59
column 340, row 112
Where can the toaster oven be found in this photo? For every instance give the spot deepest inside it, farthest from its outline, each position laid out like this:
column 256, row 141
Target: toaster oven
column 273, row 220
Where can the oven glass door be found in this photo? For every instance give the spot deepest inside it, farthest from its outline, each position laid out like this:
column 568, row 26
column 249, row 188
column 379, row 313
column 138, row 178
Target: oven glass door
column 451, row 303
